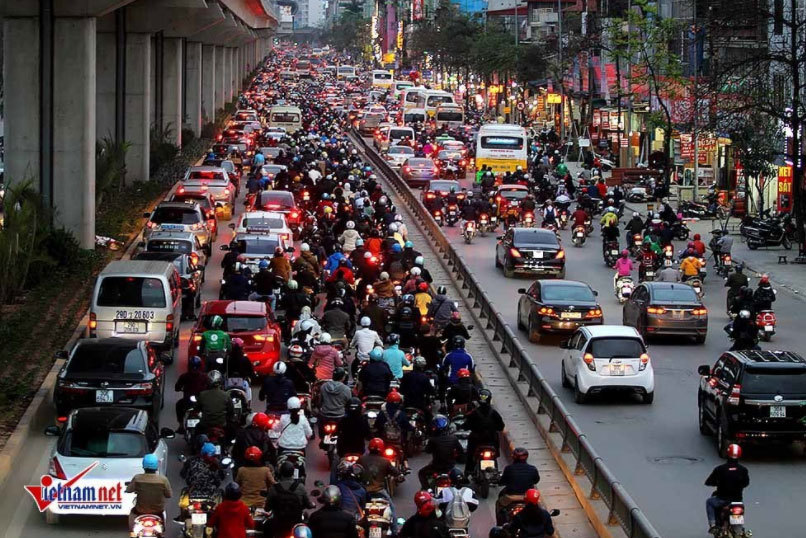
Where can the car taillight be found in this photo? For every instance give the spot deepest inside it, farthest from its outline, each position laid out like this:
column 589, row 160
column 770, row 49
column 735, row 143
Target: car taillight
column 196, row 227
column 735, row 394
column 294, row 214
column 197, row 338
column 140, row 389
column 594, row 313
column 515, row 253
column 71, row 388
column 546, row 311
column 588, row 359
column 407, row 169
column 656, row 310
column 436, row 170
column 700, row 311
column 194, row 258
column 644, row 362
column 264, row 338
column 430, row 196
column 169, row 323
column 560, row 255
column 93, row 321
column 150, row 225
column 56, row 469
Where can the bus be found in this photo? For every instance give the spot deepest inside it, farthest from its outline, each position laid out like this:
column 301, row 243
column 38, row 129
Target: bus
column 401, row 85
column 449, row 115
column 502, row 147
column 431, row 99
column 409, row 96
column 382, row 79
column 344, row 71
column 287, row 117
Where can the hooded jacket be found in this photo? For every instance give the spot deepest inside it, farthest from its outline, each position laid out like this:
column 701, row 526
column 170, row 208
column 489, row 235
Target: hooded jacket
column 335, row 396
column 231, row 519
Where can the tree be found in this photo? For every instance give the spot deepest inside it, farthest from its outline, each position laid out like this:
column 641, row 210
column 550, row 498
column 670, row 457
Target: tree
column 756, row 139
column 351, row 33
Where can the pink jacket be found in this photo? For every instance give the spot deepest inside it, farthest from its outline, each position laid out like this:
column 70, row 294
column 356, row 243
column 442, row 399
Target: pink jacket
column 624, row 266
column 324, row 359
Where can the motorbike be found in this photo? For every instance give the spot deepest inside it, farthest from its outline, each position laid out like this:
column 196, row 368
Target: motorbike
column 697, row 210
column 563, row 219
column 696, row 285
column 647, row 270
column 484, row 224
column 731, row 522
column 680, row 230
column 193, row 514
column 377, row 520
column 588, row 226
column 371, row 409
column 148, row 525
column 415, row 441
column 624, row 287
column 723, row 265
column 274, row 435
column 297, row 459
column 637, row 242
column 578, row 236
column 528, row 219
column 469, row 231
column 240, row 404
column 486, row 472
column 765, row 320
column 331, row 439
column 611, row 253
column 396, row 460
column 191, row 420
column 777, row 231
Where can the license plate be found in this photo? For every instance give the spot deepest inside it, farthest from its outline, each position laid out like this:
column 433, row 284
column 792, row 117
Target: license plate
column 768, row 328
column 218, row 450
column 736, row 520
column 198, row 518
column 614, row 252
column 580, row 234
column 487, row 464
column 375, row 532
column 678, row 314
column 172, row 227
column 778, row 411
column 237, row 404
column 130, row 327
column 104, row 396
column 571, row 315
column 330, row 439
column 538, row 254
column 192, row 422
column 616, row 369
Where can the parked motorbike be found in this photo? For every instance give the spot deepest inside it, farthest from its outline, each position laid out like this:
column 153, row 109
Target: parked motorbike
column 777, row 231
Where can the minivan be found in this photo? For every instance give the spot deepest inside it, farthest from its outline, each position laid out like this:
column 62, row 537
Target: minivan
column 139, row 300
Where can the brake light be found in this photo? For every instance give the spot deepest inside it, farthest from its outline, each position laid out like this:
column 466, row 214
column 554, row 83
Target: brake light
column 737, row 510
column 560, row 255
column 594, row 313
column 700, row 311
column 546, row 311
column 487, row 455
column 226, row 192
column 169, row 323
column 735, row 394
column 93, row 321
column 515, row 253
column 430, row 196
column 197, row 338
column 263, row 338
column 294, row 214
column 656, row 310
column 140, row 389
column 644, row 362
column 462, row 162
column 407, row 169
column 330, row 428
column 56, row 469
column 150, row 225
column 389, row 452
column 588, row 359
column 180, row 190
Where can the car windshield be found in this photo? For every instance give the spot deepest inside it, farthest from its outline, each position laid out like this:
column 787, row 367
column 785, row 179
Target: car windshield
column 449, row 154
column 444, row 186
column 132, row 292
column 205, row 174
column 613, row 348
column 781, row 381
column 104, row 360
column 567, row 293
column 401, row 150
column 502, row 142
column 174, row 215
column 399, row 134
column 169, row 245
column 524, row 237
column 284, row 117
column 99, row 442
column 514, row 194
column 675, row 295
column 257, row 247
column 436, row 100
column 235, row 324
column 420, row 163
column 203, row 201
column 261, row 222
column 413, row 117
column 445, row 115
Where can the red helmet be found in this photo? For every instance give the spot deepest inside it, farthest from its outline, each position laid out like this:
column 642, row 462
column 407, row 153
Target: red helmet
column 422, row 497
column 237, row 342
column 261, row 420
column 532, row 496
column 464, row 372
column 376, row 444
column 422, row 286
column 253, row 454
column 394, row 397
column 426, row 509
column 734, row 451
column 765, row 279
column 696, row 237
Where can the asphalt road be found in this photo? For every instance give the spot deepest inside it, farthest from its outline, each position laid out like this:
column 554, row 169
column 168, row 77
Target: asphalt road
column 656, row 451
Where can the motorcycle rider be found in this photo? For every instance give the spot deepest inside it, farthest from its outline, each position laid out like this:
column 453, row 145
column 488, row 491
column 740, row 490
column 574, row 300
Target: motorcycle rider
column 624, row 267
column 277, row 388
column 331, row 520
column 647, row 257
column 349, row 237
column 460, row 397
column 231, row 518
column 190, row 383
column 668, row 274
column 416, row 388
column 610, row 235
column 280, row 265
column 456, row 360
column 365, row 339
column 334, row 397
column 533, row 521
column 729, row 479
column 236, row 285
column 294, row 429
column 723, row 244
column 215, row 405
column 485, row 425
column 691, row 265
column 376, row 376
column 744, row 331
column 286, row 500
column 457, row 502
column 764, row 295
column 394, row 357
column 353, row 429
column 238, row 369
column 325, row 358
column 699, row 246
column 349, row 478
column 254, row 435
column 254, row 477
column 295, row 300
column 376, row 469
column 214, row 344
column 634, row 226
column 454, row 328
column 444, row 448
column 203, row 473
column 735, row 282
column 518, row 477
column 440, row 309
column 549, row 214
column 151, row 490
column 425, row 523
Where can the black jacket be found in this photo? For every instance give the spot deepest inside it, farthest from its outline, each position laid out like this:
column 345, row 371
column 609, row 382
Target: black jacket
column 484, row 425
column 418, row 526
column 375, row 378
column 332, row 522
column 253, row 436
column 445, row 451
column 764, row 296
column 353, row 430
column 276, row 391
column 729, row 479
column 532, row 522
column 416, row 389
column 519, row 477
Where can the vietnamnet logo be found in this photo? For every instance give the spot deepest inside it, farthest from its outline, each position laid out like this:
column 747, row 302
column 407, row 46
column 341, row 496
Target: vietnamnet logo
column 73, row 494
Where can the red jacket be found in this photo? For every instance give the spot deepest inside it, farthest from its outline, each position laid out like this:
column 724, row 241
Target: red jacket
column 231, row 519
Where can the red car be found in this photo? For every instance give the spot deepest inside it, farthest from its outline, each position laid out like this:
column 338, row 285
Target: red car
column 251, row 321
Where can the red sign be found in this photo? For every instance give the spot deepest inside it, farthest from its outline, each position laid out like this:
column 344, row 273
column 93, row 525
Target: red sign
column 597, row 119
column 605, row 120
column 686, row 147
column 784, row 188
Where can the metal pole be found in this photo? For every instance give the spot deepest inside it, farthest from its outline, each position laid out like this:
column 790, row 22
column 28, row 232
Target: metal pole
column 560, row 57
column 628, row 118
column 695, row 192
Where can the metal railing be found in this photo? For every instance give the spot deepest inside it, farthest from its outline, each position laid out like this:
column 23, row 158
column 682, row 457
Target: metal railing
column 623, row 510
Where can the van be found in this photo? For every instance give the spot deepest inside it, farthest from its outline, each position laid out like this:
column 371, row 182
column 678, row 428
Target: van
column 449, row 115
column 408, row 97
column 382, row 78
column 401, row 85
column 430, row 100
column 414, row 115
column 138, row 300
column 394, row 135
column 288, row 117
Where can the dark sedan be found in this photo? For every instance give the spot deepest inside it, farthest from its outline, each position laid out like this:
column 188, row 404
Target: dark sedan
column 557, row 306
column 530, row 251
column 418, row 171
column 666, row 308
column 110, row 372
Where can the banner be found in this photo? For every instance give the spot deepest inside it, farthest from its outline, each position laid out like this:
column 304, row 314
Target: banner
column 686, row 147
column 597, row 118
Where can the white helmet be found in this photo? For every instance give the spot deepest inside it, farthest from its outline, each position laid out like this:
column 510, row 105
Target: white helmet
column 306, row 325
column 415, row 271
column 293, row 403
column 325, row 338
column 384, row 276
column 365, row 321
column 398, row 218
column 305, row 247
column 350, row 225
column 393, row 227
column 279, row 368
column 367, row 255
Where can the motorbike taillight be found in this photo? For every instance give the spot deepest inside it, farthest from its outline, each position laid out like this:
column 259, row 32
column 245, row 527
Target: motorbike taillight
column 737, row 510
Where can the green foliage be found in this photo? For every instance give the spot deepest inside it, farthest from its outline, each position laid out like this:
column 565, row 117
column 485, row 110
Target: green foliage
column 110, row 166
column 163, row 149
column 351, row 33
column 756, row 138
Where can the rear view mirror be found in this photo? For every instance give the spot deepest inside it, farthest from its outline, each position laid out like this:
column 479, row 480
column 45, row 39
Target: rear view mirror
column 596, row 293
column 61, row 354
column 53, row 431
column 521, row 290
column 167, row 433
column 704, row 370
column 146, row 215
column 554, row 513
column 565, row 344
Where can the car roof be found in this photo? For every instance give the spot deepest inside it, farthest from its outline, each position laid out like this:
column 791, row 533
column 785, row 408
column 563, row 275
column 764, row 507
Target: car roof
column 618, row 331
column 247, row 308
column 769, row 357
column 277, row 194
column 158, row 256
column 206, row 169
column 109, row 418
column 108, row 343
column 145, row 268
column 566, row 283
column 512, row 187
column 182, row 205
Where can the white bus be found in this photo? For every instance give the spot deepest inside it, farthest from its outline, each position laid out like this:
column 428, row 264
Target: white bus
column 344, row 71
column 382, row 79
column 287, row 117
column 409, row 96
column 401, row 85
column 431, row 99
column 502, row 147
column 450, row 115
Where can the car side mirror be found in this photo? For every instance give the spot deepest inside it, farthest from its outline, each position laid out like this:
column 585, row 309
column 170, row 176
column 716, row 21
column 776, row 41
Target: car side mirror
column 704, row 370
column 167, row 433
column 146, row 215
column 565, row 344
column 231, row 225
column 61, row 354
column 53, row 431
column 595, row 293
column 166, row 357
column 521, row 290
column 224, row 247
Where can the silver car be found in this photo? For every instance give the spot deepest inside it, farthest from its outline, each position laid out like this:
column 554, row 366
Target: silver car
column 418, row 171
column 179, row 217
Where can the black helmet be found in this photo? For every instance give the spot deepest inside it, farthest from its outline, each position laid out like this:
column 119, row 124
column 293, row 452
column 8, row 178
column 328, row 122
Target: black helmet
column 331, row 496
column 232, row 492
column 485, row 396
column 520, row 454
column 420, row 363
column 339, row 373
column 393, row 339
column 458, row 342
column 498, row 532
column 457, row 478
column 354, row 404
column 286, row 470
column 442, row 290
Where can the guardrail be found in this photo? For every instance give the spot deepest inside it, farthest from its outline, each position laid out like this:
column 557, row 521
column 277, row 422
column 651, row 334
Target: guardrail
column 622, row 508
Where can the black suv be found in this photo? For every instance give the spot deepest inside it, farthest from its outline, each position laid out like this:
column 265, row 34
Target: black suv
column 753, row 397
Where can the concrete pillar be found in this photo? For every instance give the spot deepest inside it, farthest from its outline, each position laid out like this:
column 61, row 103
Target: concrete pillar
column 172, row 87
column 219, row 78
column 74, row 126
column 227, row 74
column 105, row 85
column 21, row 99
column 208, row 83
column 138, row 106
column 193, row 90
column 153, row 78
column 238, row 69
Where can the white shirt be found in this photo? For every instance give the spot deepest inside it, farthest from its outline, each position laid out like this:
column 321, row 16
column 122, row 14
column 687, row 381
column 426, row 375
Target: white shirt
column 365, row 339
column 293, row 436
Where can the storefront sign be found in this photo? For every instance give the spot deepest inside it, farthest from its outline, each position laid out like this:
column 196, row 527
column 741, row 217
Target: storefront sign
column 597, row 118
column 784, row 188
column 554, row 98
column 605, row 119
column 686, row 147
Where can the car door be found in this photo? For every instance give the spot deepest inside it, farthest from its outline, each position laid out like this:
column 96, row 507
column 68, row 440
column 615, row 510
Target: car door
column 570, row 355
column 575, row 352
column 527, row 302
column 710, row 389
column 504, row 245
column 630, row 306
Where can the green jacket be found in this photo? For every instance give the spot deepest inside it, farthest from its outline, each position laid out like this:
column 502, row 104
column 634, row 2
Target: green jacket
column 215, row 340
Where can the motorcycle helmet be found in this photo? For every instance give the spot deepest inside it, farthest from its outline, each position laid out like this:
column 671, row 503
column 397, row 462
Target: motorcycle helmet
column 331, row 496
column 394, row 228
column 216, row 322
column 292, row 285
column 208, row 450
column 765, row 279
column 456, row 317
column 463, row 373
column 458, row 342
column 350, row 225
column 195, row 363
column 396, row 248
column 301, row 530
column 422, row 287
column 237, row 342
column 263, row 264
column 744, row 314
column 442, row 290
column 383, row 276
column 151, row 462
column 215, row 378
column 325, row 338
column 253, row 454
column 305, row 247
column 532, row 496
column 354, row 405
column 365, row 321
column 376, row 445
column 376, row 354
column 485, row 397
column 394, row 397
column 279, row 366
column 419, row 260
column 415, row 271
column 520, row 454
column 439, row 423
column 393, row 339
column 734, row 451
column 422, row 497
column 293, row 403
column 261, row 420
column 420, row 363
column 457, row 478
column 625, row 253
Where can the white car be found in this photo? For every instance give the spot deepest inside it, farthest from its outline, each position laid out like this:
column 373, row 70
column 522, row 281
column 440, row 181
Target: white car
column 107, row 445
column 397, row 155
column 275, row 133
column 603, row 358
column 268, row 222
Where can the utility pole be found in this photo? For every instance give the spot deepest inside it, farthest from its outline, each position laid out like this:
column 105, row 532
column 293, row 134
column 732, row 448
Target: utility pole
column 695, row 192
column 560, row 57
column 628, row 119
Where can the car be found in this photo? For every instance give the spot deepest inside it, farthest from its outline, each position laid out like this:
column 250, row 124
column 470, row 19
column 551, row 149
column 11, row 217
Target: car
column 251, row 321
column 439, row 187
column 204, row 199
column 510, row 195
column 397, row 155
column 530, row 251
column 607, row 358
column 274, row 133
column 191, row 274
column 233, row 171
column 557, row 306
column 111, row 441
column 753, row 396
column 179, row 217
column 451, row 163
column 280, row 202
column 271, row 153
column 110, row 371
column 369, row 123
column 270, row 222
column 217, row 182
column 656, row 308
column 179, row 242
column 271, row 170
column 254, row 247
column 418, row 171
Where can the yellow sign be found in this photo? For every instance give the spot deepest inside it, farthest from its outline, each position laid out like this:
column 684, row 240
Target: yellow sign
column 389, row 58
column 507, row 110
column 784, row 171
column 554, row 99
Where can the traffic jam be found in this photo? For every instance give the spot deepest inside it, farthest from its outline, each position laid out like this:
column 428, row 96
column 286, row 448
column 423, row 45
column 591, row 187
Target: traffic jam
column 275, row 358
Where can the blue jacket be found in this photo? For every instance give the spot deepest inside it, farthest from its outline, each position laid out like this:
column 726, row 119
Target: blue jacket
column 455, row 361
column 259, row 160
column 333, row 261
column 353, row 495
column 396, row 360
column 277, row 389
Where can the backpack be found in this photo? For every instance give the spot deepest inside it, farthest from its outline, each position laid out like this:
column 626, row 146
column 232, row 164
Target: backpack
column 286, row 504
column 457, row 513
column 391, row 429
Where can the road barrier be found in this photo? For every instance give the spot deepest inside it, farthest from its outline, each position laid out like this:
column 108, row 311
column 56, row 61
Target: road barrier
column 622, row 509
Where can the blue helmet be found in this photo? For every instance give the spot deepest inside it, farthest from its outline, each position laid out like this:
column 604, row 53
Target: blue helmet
column 409, row 244
column 376, row 354
column 396, row 247
column 195, row 362
column 150, row 462
column 208, row 449
column 301, row 530
column 264, row 264
column 439, row 423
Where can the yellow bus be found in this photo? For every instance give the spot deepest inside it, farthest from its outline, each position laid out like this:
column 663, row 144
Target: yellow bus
column 382, row 79
column 502, row 147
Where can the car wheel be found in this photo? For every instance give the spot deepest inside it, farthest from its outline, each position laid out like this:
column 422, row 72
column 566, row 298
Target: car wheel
column 566, row 384
column 519, row 323
column 198, row 300
column 648, row 398
column 722, row 440
column 497, row 263
column 699, row 339
column 704, row 429
column 534, row 332
column 579, row 397
column 509, row 273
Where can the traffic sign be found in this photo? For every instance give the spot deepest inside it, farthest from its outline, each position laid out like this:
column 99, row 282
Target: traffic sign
column 521, row 106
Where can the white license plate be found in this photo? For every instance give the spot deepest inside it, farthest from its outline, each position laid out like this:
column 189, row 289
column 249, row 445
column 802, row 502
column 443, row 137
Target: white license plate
column 104, row 396
column 487, row 464
column 580, row 234
column 198, row 518
column 768, row 328
column 330, row 439
column 571, row 315
column 375, row 532
column 778, row 411
column 237, row 404
column 218, row 450
column 538, row 254
column 130, row 327
column 678, row 314
column 192, row 422
column 616, row 369
column 736, row 520
column 614, row 252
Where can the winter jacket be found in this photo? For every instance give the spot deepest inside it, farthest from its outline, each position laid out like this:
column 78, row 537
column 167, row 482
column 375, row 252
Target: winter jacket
column 396, row 360
column 441, row 309
column 281, row 267
column 335, row 396
column 416, row 388
column 353, row 495
column 324, row 359
column 375, row 378
column 365, row 339
column 253, row 480
column 293, row 436
column 455, row 361
column 519, row 477
column 231, row 519
column 276, row 391
column 348, row 239
column 384, row 288
column 332, row 522
column 336, row 322
column 311, row 260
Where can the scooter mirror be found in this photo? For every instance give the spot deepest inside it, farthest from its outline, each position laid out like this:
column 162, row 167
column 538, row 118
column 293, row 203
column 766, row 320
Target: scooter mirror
column 219, row 360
